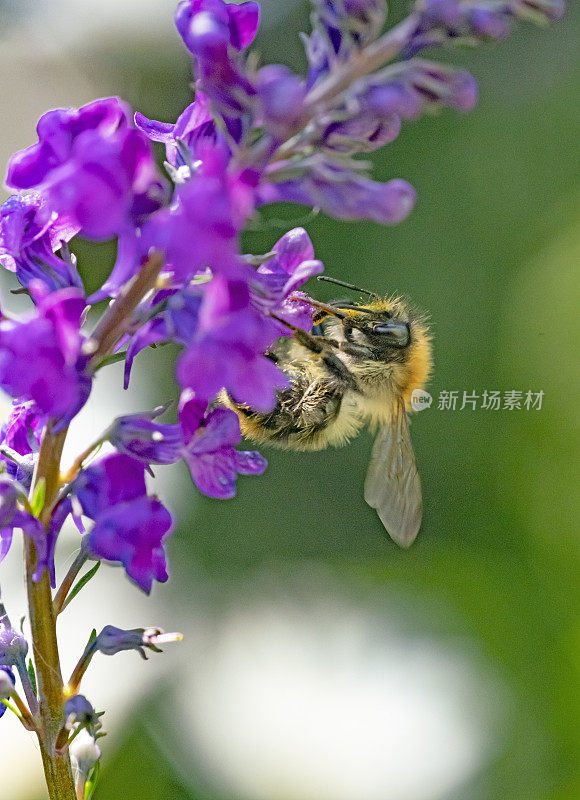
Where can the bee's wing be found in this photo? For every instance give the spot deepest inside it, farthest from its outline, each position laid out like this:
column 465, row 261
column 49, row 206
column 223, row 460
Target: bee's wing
column 392, row 485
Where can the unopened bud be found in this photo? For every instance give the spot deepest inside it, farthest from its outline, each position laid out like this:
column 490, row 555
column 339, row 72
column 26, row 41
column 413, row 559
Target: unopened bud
column 78, row 711
column 7, row 682
column 13, row 645
column 85, row 753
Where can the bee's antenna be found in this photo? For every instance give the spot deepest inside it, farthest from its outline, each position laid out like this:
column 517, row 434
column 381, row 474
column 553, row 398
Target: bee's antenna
column 347, row 285
column 334, row 312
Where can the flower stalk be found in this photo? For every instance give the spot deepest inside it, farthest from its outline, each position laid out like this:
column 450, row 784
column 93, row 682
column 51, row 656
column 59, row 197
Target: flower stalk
column 57, row 765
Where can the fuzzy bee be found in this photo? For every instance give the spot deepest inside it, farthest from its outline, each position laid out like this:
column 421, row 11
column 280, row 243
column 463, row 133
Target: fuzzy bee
column 361, row 369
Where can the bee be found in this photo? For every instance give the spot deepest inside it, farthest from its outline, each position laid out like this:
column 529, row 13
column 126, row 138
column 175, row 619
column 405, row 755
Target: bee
column 361, row 369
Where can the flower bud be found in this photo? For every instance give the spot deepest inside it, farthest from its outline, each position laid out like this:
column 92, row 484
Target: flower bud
column 364, row 133
column 85, row 753
column 441, row 12
column 438, row 84
column 490, row 23
column 13, row 645
column 281, row 95
column 7, row 683
column 392, row 98
column 78, row 711
column 138, row 436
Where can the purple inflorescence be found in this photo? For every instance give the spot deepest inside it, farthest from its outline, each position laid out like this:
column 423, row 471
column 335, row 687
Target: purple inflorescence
column 251, row 136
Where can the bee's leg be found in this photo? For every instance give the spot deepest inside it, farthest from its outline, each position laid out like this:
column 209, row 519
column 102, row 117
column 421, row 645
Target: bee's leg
column 320, row 346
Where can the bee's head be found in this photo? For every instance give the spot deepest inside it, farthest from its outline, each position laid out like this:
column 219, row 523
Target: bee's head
column 388, row 334
column 384, row 327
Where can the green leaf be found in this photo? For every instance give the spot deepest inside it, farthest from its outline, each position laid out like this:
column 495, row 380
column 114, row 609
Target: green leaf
column 32, row 675
column 91, row 783
column 79, row 585
column 37, row 499
column 92, row 638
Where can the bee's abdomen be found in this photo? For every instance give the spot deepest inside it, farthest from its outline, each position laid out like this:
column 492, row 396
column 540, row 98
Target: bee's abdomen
column 309, row 415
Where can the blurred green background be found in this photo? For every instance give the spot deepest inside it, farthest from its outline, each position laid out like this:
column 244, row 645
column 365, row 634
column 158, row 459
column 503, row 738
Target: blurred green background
column 491, row 252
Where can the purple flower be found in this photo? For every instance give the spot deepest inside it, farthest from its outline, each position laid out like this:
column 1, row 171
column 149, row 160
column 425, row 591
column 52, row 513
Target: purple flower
column 176, row 321
column 237, row 24
column 109, row 184
column 11, row 518
column 40, row 356
column 30, row 235
column 489, row 23
column 344, row 194
column 111, row 480
column 78, row 711
column 201, row 228
column 214, row 32
column 142, row 438
column 134, row 534
column 383, row 100
column 280, row 277
column 195, row 123
column 440, row 85
column 13, row 645
column 129, row 526
column 417, row 86
column 443, row 21
column 361, row 134
column 22, row 434
column 112, row 640
column 209, row 448
column 92, row 168
column 228, row 349
column 281, row 94
column 57, row 132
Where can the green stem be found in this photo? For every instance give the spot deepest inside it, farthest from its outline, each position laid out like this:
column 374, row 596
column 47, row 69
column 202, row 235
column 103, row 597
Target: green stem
column 116, row 319
column 57, row 766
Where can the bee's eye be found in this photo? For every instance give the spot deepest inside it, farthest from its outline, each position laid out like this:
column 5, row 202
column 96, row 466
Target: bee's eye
column 397, row 334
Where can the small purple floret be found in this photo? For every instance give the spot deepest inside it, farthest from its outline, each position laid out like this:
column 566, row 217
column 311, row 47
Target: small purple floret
column 210, row 449
column 130, row 527
column 40, row 355
column 92, row 168
column 228, row 349
column 57, row 132
column 281, row 276
column 22, row 434
column 30, row 235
